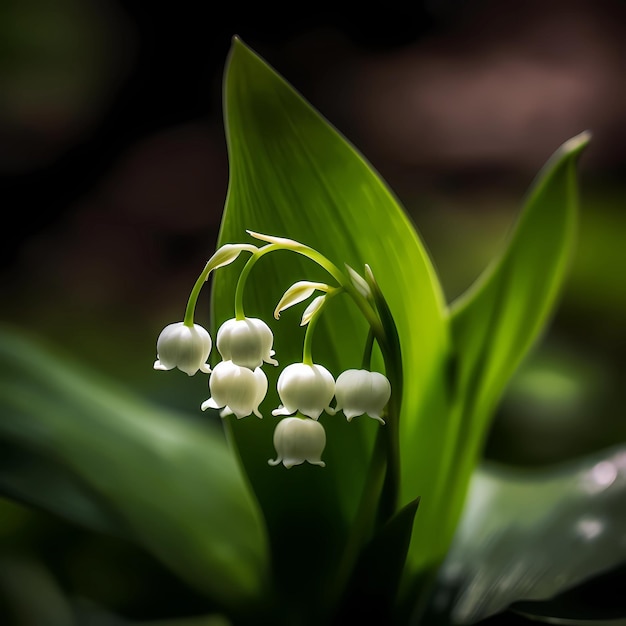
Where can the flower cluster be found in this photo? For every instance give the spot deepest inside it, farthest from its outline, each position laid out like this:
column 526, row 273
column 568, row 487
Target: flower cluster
column 238, row 384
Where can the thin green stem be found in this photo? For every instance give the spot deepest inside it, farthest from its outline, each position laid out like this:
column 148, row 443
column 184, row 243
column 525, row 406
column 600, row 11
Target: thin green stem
column 363, row 526
column 391, row 488
column 364, row 306
column 223, row 256
column 245, row 272
column 379, row 497
column 307, row 354
column 195, row 293
column 307, row 348
column 392, row 355
column 366, row 361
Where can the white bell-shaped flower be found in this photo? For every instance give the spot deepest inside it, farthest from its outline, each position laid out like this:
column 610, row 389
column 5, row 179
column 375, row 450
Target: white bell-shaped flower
column 305, row 388
column 361, row 391
column 184, row 347
column 247, row 342
column 236, row 389
column 298, row 440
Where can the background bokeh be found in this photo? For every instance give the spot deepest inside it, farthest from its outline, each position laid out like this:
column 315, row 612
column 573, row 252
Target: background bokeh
column 114, row 172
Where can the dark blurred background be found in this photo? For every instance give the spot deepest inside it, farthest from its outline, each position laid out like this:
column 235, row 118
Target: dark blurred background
column 114, row 170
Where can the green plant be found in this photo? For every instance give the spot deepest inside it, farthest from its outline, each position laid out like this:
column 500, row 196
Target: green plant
column 381, row 528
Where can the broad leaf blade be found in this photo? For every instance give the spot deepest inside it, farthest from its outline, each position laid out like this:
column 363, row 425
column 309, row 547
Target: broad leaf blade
column 293, row 175
column 118, row 464
column 531, row 534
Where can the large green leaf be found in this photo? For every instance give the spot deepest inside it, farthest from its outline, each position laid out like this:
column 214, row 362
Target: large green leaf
column 529, row 534
column 492, row 326
column 88, row 450
column 293, row 175
column 498, row 319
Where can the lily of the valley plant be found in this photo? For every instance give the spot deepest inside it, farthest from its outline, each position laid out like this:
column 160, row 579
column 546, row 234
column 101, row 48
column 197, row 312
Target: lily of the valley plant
column 386, row 346
column 354, row 400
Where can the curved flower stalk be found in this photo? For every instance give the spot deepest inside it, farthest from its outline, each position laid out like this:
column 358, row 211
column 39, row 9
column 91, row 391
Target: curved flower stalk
column 187, row 345
column 236, row 389
column 297, row 440
column 184, row 346
column 346, row 283
column 246, row 342
column 238, row 385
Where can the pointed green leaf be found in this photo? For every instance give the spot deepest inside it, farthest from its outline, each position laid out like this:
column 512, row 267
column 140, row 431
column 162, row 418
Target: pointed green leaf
column 531, row 534
column 494, row 324
column 496, row 321
column 293, row 175
column 85, row 449
column 374, row 584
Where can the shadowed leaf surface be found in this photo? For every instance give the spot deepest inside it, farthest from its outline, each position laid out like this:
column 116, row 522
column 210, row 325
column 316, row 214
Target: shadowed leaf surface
column 532, row 534
column 87, row 450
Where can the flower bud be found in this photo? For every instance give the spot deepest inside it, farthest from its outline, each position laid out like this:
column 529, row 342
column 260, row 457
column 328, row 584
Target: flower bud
column 359, row 283
column 236, row 389
column 312, row 309
column 246, row 342
column 226, row 255
column 298, row 440
column 298, row 292
column 184, row 347
column 289, row 243
column 305, row 388
column 360, row 391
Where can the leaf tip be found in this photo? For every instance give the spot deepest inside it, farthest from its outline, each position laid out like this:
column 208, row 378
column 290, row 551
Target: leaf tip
column 236, row 40
column 575, row 144
column 237, row 47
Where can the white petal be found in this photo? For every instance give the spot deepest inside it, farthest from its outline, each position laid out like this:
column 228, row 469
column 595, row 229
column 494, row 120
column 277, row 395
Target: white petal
column 237, row 388
column 298, row 440
column 281, row 410
column 267, row 340
column 209, row 404
column 306, row 388
column 361, row 392
column 247, row 342
column 159, row 366
column 184, row 347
